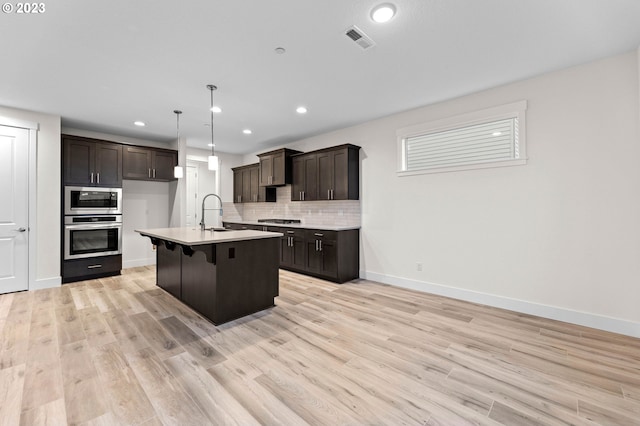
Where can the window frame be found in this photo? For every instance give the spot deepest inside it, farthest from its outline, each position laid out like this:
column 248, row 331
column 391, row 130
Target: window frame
column 512, row 110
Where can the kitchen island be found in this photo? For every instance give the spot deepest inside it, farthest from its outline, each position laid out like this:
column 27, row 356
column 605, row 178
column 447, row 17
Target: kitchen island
column 224, row 275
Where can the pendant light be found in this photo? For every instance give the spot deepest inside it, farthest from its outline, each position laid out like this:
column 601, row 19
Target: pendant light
column 213, row 158
column 178, row 171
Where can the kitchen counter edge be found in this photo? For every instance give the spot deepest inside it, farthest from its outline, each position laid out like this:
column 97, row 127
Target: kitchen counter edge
column 295, row 225
column 193, row 236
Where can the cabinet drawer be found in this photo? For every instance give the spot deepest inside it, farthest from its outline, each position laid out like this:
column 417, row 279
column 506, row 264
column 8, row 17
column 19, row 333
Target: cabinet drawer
column 77, row 269
column 319, row 234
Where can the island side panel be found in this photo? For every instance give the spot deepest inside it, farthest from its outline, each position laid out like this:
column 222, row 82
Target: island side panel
column 199, row 282
column 169, row 268
column 248, row 277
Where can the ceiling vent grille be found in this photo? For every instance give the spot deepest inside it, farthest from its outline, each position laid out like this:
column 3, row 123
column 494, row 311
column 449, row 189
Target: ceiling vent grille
column 359, row 37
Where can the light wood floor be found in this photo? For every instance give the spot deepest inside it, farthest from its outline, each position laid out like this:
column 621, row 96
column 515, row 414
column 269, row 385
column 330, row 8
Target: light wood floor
column 121, row 351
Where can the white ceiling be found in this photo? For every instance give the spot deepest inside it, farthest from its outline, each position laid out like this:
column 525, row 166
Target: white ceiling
column 103, row 65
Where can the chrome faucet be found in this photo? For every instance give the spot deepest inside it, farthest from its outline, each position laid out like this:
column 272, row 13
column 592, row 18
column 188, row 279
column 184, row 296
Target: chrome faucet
column 203, row 200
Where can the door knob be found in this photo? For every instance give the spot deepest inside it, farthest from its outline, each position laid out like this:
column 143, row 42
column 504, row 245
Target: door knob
column 20, row 230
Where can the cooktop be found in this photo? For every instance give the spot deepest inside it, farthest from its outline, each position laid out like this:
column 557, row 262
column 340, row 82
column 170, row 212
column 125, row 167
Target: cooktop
column 280, row 221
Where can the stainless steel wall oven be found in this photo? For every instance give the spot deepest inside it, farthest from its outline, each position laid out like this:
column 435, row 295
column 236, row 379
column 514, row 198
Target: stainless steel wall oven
column 92, row 236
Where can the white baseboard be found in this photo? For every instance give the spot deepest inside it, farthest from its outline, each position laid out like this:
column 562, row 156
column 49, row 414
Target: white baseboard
column 138, row 262
column 586, row 319
column 45, row 283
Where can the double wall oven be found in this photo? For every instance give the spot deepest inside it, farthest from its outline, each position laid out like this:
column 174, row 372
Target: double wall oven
column 92, row 229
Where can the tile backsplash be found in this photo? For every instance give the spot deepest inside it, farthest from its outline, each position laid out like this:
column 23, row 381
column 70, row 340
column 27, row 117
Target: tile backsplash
column 340, row 213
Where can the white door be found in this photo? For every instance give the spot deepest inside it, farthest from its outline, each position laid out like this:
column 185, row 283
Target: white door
column 14, row 209
column 192, row 196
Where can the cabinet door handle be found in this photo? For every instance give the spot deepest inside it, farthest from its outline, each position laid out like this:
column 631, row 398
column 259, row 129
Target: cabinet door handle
column 149, row 173
column 303, row 194
column 98, row 177
column 94, row 266
column 291, row 243
column 91, row 177
column 319, row 234
column 332, row 194
column 320, row 241
column 316, row 245
column 328, row 194
column 154, row 173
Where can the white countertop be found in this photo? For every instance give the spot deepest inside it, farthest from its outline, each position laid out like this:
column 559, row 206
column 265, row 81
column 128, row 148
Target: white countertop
column 194, row 236
column 297, row 225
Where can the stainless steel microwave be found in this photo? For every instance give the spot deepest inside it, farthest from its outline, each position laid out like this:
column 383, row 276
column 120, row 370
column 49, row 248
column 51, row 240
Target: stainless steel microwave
column 90, row 200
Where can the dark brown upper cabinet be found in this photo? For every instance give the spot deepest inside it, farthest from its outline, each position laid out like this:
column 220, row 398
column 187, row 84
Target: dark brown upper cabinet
column 304, row 186
column 275, row 167
column 327, row 174
column 145, row 163
column 339, row 173
column 91, row 162
column 246, row 187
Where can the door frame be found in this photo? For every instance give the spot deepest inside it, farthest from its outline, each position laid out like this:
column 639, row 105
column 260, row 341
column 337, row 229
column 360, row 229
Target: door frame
column 31, row 197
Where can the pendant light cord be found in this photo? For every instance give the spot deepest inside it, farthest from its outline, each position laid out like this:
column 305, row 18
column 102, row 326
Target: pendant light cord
column 211, row 87
column 177, row 113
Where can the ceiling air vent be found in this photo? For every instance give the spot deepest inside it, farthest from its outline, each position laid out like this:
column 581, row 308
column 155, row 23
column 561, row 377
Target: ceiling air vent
column 361, row 39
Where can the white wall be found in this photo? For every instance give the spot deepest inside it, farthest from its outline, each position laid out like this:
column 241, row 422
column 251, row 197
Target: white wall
column 47, row 194
column 145, row 205
column 558, row 237
column 225, row 175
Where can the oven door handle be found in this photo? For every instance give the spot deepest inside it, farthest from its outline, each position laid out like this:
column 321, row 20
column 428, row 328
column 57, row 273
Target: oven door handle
column 93, row 226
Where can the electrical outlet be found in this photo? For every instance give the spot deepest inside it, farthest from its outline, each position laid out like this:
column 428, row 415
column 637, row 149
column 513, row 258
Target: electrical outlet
column 419, row 266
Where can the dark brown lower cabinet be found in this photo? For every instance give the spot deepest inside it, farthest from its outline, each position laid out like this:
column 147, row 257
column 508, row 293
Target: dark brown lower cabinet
column 331, row 255
column 292, row 248
column 169, row 267
column 222, row 281
column 322, row 256
column 91, row 267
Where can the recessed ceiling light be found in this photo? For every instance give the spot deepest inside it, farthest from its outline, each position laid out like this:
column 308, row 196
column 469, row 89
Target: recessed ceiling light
column 211, row 144
column 301, row 110
column 279, row 50
column 383, row 12
column 139, row 123
column 216, row 109
column 247, row 131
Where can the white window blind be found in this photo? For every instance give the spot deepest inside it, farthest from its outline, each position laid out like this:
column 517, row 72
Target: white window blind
column 482, row 143
column 489, row 141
